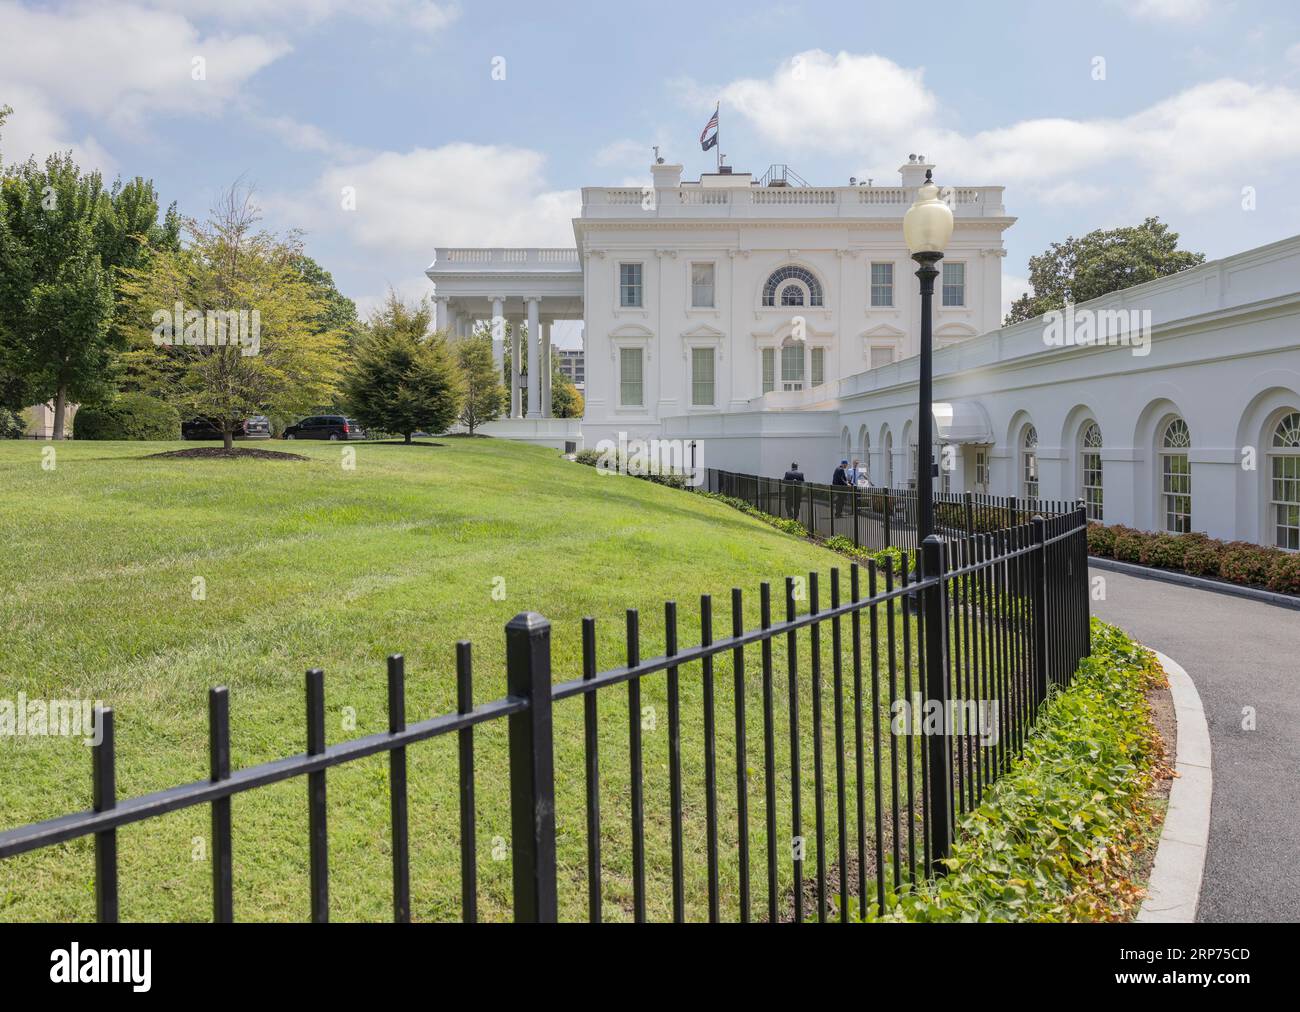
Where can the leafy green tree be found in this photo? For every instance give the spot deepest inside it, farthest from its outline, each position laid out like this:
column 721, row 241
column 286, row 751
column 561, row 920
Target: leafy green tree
column 248, row 339
column 403, row 377
column 1101, row 262
column 566, row 401
column 13, row 386
column 484, row 395
column 338, row 313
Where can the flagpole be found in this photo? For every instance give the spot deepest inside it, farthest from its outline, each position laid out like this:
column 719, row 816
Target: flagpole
column 718, row 145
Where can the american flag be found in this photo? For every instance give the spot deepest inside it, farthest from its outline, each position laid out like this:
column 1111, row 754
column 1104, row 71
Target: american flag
column 706, row 140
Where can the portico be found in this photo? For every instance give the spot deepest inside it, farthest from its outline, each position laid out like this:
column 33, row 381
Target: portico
column 519, row 294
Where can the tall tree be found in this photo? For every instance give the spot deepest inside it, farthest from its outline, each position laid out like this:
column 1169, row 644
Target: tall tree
column 338, row 312
column 1100, row 263
column 56, row 295
column 233, row 310
column 13, row 385
column 403, row 377
column 566, row 401
column 484, row 395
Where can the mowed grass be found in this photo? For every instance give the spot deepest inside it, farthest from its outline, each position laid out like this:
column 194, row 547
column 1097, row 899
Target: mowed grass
column 310, row 564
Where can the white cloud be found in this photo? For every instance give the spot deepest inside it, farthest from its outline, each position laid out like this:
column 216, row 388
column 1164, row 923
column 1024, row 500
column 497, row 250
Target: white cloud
column 831, row 102
column 422, row 15
column 1192, row 149
column 1169, row 10
column 457, row 194
column 117, row 66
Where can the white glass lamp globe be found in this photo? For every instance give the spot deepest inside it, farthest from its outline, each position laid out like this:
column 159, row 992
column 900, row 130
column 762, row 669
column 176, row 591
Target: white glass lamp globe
column 927, row 225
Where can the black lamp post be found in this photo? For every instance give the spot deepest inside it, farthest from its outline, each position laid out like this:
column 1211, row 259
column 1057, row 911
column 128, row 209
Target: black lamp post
column 927, row 227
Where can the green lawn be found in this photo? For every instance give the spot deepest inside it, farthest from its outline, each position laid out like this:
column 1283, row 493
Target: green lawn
column 309, row 564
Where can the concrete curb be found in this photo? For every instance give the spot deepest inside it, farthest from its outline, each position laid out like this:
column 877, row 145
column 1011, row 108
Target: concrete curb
column 1174, row 890
column 1199, row 582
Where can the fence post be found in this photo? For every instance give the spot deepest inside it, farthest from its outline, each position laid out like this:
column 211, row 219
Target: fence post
column 938, row 794
column 854, row 499
column 1013, row 504
column 888, row 543
column 1038, row 590
column 532, row 768
column 970, row 514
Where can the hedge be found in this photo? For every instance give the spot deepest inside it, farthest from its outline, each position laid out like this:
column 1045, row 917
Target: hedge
column 1199, row 555
column 130, row 416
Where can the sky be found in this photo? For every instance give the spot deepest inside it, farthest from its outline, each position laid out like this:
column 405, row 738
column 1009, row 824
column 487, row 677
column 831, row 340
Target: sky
column 477, row 122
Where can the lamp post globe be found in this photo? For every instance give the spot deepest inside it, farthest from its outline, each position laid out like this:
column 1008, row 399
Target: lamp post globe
column 927, row 227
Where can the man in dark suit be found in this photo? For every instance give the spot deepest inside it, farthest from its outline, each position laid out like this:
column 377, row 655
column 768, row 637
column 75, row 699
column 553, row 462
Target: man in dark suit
column 840, row 480
column 793, row 493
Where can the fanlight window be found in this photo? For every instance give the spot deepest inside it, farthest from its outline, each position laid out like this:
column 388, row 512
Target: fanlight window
column 1091, row 461
column 792, row 295
column 1029, row 471
column 1176, row 477
column 776, row 281
column 1284, row 472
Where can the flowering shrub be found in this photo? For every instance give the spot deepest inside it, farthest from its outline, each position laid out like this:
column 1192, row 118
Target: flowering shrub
column 1284, row 577
column 1202, row 557
column 1101, row 540
column 1243, row 562
column 1165, row 550
column 1129, row 544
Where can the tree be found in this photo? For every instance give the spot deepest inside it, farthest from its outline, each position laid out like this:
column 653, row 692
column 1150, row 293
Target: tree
column 338, row 312
column 403, row 378
column 56, row 296
column 484, row 395
column 13, row 386
column 232, row 318
column 566, row 401
column 1100, row 263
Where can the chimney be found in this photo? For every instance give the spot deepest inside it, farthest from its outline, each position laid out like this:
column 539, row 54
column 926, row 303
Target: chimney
column 666, row 177
column 913, row 172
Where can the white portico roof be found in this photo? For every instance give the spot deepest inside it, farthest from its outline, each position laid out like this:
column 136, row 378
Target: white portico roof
column 472, row 278
column 962, row 422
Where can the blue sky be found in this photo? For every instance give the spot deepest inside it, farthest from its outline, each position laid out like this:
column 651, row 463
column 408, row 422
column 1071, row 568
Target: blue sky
column 398, row 99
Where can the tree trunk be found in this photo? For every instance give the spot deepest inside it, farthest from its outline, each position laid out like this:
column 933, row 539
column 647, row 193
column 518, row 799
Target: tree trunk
column 60, row 412
column 228, row 437
column 407, row 438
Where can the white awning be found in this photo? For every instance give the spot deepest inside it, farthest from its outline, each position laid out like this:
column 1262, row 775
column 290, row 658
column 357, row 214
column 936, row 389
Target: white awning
column 962, row 422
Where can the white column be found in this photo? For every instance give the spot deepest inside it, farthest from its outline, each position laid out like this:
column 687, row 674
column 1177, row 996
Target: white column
column 546, row 370
column 440, row 312
column 534, row 367
column 498, row 333
column 516, row 349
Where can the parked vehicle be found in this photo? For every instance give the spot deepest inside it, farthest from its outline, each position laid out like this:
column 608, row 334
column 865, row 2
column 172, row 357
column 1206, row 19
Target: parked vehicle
column 332, row 427
column 256, row 427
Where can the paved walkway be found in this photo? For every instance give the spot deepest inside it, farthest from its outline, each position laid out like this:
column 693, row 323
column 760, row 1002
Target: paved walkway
column 1240, row 653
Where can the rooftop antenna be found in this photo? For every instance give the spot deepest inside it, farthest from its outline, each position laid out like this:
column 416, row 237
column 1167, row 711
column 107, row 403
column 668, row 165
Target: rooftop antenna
column 658, row 160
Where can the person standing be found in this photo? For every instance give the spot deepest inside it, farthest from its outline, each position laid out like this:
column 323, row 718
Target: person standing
column 793, row 491
column 840, row 480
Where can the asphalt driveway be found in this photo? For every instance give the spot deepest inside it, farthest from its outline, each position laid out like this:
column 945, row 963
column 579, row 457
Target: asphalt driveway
column 1240, row 654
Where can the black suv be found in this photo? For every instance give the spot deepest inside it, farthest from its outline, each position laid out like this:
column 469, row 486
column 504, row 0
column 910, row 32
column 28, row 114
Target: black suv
column 325, row 427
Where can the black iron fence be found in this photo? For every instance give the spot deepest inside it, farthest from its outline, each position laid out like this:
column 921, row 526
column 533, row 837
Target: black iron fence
column 875, row 517
column 972, row 640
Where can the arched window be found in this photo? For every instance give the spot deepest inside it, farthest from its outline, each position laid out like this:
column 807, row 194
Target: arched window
column 1029, row 462
column 1176, row 476
column 1090, row 463
column 1284, row 470
column 792, row 273
column 792, row 295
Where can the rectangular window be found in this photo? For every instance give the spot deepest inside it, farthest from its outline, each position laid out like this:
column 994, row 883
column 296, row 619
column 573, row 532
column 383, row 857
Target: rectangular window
column 1176, row 487
column 1286, row 500
column 954, row 284
column 982, row 470
column 629, row 285
column 702, row 377
column 631, row 383
column 818, row 366
column 882, row 284
column 1092, row 489
column 1031, row 474
column 881, row 355
column 769, row 370
column 792, row 366
column 702, row 286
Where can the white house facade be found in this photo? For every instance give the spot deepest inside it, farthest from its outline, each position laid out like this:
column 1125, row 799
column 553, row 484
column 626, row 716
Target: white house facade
column 772, row 323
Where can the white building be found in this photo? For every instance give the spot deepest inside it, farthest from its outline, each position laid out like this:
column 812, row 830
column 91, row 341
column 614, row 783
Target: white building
column 772, row 322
